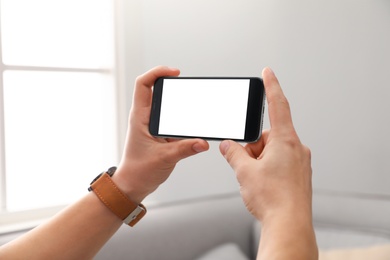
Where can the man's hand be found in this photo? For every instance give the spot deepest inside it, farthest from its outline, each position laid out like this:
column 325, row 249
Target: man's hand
column 275, row 181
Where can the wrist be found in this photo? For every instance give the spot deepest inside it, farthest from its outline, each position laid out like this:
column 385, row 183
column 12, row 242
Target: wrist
column 129, row 186
column 114, row 199
column 297, row 213
column 291, row 231
column 288, row 220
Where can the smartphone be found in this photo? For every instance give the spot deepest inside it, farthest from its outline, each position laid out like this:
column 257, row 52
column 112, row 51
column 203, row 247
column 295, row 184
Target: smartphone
column 212, row 108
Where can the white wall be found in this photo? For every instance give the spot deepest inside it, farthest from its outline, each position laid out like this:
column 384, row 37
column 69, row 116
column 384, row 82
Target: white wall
column 332, row 58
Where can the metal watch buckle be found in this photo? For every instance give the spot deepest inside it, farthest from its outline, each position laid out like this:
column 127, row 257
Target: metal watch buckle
column 133, row 215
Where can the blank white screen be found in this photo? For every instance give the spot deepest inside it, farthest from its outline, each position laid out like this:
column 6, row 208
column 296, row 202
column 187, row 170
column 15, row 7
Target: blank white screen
column 214, row 108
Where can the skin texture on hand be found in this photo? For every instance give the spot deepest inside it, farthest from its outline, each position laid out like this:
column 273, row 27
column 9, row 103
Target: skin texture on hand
column 148, row 161
column 275, row 181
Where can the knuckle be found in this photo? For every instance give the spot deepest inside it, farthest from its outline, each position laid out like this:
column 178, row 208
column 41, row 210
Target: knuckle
column 183, row 151
column 283, row 100
column 307, row 151
column 292, row 140
column 138, row 80
column 231, row 157
column 293, row 143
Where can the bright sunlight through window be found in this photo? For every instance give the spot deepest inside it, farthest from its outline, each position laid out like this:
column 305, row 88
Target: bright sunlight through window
column 59, row 33
column 58, row 108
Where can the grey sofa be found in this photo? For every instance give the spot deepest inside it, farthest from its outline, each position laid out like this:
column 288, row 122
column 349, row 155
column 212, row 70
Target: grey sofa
column 217, row 227
column 195, row 229
column 185, row 230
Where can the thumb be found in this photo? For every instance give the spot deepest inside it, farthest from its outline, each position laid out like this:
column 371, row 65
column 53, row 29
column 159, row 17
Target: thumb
column 181, row 149
column 234, row 153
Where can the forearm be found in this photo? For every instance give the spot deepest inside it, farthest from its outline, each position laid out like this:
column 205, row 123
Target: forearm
column 288, row 237
column 77, row 232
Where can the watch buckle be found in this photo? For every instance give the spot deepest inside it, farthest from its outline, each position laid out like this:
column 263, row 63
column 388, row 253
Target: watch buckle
column 133, row 215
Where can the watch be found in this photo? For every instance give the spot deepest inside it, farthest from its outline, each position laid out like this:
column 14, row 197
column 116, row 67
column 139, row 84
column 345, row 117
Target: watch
column 114, row 199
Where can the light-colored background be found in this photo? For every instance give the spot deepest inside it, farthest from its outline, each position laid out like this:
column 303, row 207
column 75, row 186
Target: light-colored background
column 333, row 61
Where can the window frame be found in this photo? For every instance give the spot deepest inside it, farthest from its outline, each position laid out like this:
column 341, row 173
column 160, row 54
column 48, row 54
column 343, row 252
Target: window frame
column 14, row 221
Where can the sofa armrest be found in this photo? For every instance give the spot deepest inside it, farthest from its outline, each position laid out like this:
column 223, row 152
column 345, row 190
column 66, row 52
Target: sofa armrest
column 184, row 230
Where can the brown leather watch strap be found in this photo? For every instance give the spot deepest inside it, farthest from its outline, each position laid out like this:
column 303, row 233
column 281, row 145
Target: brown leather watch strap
column 117, row 201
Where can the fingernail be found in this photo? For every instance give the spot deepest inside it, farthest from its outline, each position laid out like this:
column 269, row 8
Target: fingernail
column 198, row 148
column 269, row 70
column 224, row 146
column 172, row 68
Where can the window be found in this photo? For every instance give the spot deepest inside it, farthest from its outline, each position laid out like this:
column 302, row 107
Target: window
column 58, row 115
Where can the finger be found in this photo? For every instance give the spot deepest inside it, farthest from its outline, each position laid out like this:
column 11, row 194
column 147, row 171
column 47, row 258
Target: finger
column 143, row 86
column 255, row 149
column 278, row 106
column 178, row 150
column 234, row 153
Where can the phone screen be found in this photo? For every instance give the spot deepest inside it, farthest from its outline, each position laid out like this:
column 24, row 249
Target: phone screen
column 209, row 108
column 204, row 107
